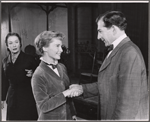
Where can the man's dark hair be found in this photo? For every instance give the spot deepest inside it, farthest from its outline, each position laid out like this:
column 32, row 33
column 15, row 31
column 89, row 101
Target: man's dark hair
column 116, row 18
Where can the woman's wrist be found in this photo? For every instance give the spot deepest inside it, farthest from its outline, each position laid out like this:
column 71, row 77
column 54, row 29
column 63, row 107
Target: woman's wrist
column 65, row 93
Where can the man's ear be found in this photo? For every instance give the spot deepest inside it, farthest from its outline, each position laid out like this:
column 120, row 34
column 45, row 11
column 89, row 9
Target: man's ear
column 114, row 29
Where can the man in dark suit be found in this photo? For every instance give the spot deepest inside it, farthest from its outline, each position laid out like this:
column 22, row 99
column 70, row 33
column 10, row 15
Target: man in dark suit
column 122, row 80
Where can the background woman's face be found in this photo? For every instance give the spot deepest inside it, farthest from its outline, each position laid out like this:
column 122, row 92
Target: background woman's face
column 13, row 44
column 54, row 49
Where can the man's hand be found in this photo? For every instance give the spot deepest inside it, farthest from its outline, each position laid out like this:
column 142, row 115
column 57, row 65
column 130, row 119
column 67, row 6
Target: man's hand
column 73, row 91
column 76, row 89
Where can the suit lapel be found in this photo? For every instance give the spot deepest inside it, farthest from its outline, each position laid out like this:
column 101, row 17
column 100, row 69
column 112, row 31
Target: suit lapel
column 58, row 80
column 63, row 76
column 49, row 70
column 60, row 71
column 107, row 61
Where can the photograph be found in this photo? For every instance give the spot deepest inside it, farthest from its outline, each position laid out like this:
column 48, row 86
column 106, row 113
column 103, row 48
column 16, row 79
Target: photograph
column 75, row 60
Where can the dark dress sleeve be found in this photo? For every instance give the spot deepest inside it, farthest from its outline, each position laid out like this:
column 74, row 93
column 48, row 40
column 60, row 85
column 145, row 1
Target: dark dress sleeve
column 5, row 84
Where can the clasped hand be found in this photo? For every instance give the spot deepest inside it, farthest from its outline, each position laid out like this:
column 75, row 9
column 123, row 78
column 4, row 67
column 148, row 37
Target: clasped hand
column 29, row 72
column 73, row 91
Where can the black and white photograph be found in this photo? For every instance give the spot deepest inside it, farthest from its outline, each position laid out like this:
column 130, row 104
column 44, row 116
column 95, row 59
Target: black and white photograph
column 74, row 60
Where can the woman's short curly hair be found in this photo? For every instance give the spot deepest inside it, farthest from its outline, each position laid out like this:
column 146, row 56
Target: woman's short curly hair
column 45, row 38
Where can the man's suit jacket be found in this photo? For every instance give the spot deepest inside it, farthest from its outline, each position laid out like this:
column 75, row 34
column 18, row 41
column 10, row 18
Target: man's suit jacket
column 122, row 84
column 47, row 89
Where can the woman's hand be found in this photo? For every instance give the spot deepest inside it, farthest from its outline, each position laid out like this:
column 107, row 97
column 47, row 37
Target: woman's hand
column 2, row 104
column 29, row 72
column 76, row 89
column 73, row 91
column 74, row 117
column 67, row 92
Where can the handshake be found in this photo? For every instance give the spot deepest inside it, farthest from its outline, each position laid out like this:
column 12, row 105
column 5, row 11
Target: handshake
column 73, row 91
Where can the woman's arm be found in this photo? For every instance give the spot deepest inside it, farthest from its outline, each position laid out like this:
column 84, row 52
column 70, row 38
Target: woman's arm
column 5, row 84
column 46, row 102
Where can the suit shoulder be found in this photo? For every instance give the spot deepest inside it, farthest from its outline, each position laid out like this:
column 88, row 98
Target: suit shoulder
column 62, row 65
column 38, row 72
column 130, row 47
column 131, row 51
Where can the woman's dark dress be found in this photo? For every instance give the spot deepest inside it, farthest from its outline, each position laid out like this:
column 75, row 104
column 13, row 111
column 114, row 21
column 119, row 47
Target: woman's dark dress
column 16, row 88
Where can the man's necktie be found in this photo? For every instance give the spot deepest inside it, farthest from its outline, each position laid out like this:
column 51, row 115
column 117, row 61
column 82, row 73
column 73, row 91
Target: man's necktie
column 108, row 49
